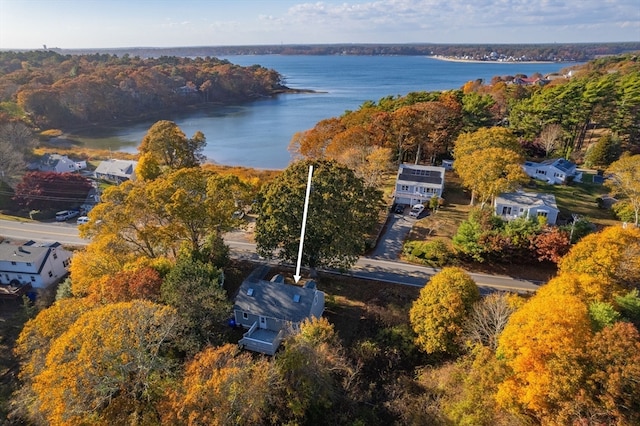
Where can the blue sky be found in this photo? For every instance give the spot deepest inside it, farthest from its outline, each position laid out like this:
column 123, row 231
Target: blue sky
column 29, row 24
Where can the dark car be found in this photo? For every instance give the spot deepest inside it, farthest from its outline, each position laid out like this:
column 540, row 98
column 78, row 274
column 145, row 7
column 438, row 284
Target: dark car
column 399, row 208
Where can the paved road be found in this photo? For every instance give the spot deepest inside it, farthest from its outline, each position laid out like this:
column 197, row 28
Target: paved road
column 367, row 267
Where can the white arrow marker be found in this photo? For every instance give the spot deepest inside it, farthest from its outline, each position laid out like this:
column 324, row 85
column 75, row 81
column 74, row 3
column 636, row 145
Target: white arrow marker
column 296, row 277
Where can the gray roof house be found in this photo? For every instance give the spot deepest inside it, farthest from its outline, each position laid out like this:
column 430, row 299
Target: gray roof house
column 270, row 309
column 416, row 184
column 31, row 263
column 556, row 171
column 58, row 164
column 116, row 171
column 527, row 204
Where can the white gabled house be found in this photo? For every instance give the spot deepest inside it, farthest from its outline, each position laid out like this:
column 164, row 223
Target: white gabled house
column 526, row 204
column 58, row 164
column 116, row 171
column 270, row 309
column 416, row 184
column 556, row 171
column 38, row 265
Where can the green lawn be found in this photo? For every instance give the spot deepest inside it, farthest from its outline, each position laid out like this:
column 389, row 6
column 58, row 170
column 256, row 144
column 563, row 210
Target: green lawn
column 578, row 198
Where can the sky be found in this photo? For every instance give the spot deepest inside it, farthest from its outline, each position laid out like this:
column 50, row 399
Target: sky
column 68, row 24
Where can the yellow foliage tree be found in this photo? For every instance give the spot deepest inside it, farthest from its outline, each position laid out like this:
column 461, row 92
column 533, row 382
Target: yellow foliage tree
column 542, row 344
column 612, row 255
column 439, row 313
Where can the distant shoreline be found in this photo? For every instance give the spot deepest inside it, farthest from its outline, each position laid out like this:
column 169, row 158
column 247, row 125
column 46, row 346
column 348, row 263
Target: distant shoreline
column 477, row 61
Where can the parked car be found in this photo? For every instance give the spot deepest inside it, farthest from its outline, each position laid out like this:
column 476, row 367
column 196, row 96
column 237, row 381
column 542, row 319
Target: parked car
column 398, row 208
column 65, row 215
column 416, row 210
column 82, row 219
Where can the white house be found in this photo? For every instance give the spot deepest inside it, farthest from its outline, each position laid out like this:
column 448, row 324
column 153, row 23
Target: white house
column 527, row 204
column 58, row 164
column 553, row 171
column 30, row 263
column 269, row 309
column 116, row 171
column 416, row 184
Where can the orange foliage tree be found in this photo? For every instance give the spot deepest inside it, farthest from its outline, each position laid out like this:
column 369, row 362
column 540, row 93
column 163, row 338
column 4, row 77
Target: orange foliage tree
column 222, row 386
column 108, row 367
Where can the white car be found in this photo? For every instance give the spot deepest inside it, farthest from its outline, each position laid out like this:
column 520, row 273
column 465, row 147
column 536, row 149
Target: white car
column 416, row 210
column 65, row 215
column 82, row 219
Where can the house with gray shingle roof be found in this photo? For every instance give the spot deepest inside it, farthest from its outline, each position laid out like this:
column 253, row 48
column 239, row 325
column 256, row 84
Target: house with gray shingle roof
column 557, row 171
column 270, row 309
column 527, row 204
column 31, row 263
column 116, row 171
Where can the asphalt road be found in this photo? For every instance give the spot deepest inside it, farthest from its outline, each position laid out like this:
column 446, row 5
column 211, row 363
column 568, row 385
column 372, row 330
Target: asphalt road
column 372, row 268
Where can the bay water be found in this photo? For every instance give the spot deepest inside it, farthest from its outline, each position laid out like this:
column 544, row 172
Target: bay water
column 257, row 134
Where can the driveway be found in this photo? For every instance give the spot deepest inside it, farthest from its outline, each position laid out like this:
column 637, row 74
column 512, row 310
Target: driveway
column 390, row 242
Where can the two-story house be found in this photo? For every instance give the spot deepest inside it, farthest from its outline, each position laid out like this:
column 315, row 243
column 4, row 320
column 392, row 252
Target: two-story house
column 558, row 171
column 416, row 184
column 526, row 204
column 270, row 309
column 39, row 265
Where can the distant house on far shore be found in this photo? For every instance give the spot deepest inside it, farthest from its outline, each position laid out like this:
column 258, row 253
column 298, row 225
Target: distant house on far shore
column 116, row 171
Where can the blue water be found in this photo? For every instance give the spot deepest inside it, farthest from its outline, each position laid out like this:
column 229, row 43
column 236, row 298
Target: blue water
column 257, row 134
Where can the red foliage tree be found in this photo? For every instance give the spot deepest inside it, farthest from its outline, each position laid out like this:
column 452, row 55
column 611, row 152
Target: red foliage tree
column 48, row 190
column 551, row 244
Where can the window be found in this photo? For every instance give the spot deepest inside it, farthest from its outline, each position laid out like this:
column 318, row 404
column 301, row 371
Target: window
column 50, row 274
column 245, row 315
column 33, row 279
column 541, row 172
column 28, row 263
column 13, row 263
column 66, row 262
column 404, row 187
column 506, row 211
column 542, row 213
column 55, row 255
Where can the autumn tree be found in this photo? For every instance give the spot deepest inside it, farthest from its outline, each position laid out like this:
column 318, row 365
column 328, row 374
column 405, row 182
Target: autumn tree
column 551, row 244
column 31, row 349
column 171, row 148
column 49, row 190
column 314, row 375
column 611, row 255
column 108, row 367
column 491, row 172
column 124, row 286
column 624, row 181
column 16, row 141
column 180, row 208
column 605, row 151
column 341, row 213
column 483, row 138
column 195, row 290
column 439, row 313
column 542, row 344
column 223, row 386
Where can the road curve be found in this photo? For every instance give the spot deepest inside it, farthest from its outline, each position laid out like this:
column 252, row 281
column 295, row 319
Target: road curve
column 391, row 271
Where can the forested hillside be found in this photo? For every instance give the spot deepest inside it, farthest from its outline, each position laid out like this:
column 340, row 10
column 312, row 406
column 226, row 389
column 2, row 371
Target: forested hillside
column 48, row 89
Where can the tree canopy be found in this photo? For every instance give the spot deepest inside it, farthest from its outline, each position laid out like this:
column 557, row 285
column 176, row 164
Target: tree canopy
column 168, row 146
column 439, row 314
column 342, row 212
column 624, row 181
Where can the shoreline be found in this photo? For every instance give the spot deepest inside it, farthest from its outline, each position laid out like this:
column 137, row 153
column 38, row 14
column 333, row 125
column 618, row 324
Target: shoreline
column 478, row 61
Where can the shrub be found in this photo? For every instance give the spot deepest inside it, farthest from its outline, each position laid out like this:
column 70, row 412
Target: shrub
column 434, row 252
